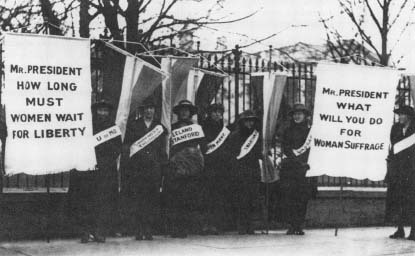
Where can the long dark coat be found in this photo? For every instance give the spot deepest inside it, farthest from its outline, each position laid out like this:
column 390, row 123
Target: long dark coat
column 216, row 175
column 142, row 176
column 93, row 195
column 245, row 177
column 215, row 162
column 183, row 180
column 186, row 158
column 295, row 191
column 400, row 178
column 144, row 167
column 107, row 154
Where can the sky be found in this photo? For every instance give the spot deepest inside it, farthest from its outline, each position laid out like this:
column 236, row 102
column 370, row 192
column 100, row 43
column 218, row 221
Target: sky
column 284, row 16
column 291, row 20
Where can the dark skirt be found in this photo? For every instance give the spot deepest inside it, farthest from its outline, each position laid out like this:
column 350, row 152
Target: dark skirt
column 294, row 193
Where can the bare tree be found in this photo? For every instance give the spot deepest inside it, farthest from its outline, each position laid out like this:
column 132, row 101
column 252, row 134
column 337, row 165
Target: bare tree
column 17, row 15
column 386, row 16
column 35, row 16
column 151, row 27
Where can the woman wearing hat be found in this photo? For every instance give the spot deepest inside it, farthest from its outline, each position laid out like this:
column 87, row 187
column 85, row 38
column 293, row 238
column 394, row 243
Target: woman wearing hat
column 216, row 169
column 400, row 177
column 185, row 166
column 93, row 195
column 245, row 149
column 145, row 153
column 295, row 191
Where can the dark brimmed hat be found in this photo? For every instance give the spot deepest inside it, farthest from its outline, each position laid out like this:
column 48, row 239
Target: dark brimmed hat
column 299, row 107
column 215, row 107
column 185, row 104
column 102, row 104
column 149, row 102
column 248, row 114
column 406, row 110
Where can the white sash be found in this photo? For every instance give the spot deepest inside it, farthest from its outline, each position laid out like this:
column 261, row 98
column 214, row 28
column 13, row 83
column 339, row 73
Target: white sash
column 218, row 141
column 305, row 146
column 186, row 133
column 404, row 144
column 248, row 144
column 146, row 139
column 107, row 135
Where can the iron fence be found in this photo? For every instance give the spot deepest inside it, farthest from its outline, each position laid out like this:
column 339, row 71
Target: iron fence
column 235, row 93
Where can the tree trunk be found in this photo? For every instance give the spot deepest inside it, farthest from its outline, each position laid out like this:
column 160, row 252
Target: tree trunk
column 111, row 20
column 84, row 19
column 384, row 59
column 131, row 20
column 52, row 22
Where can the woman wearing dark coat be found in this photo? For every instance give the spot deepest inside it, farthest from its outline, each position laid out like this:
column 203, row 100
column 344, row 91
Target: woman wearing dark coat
column 143, row 172
column 186, row 164
column 295, row 191
column 245, row 169
column 400, row 177
column 216, row 170
column 93, row 195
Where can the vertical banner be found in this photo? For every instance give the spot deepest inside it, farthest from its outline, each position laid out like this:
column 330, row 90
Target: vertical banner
column 353, row 115
column 205, row 88
column 47, row 97
column 272, row 86
column 412, row 86
column 139, row 81
column 178, row 70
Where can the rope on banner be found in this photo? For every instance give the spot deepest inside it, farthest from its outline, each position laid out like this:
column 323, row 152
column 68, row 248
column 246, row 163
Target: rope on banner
column 138, row 43
column 201, row 56
column 165, row 48
column 129, row 54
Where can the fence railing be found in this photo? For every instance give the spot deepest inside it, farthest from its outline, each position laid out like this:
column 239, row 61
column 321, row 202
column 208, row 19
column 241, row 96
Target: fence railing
column 236, row 95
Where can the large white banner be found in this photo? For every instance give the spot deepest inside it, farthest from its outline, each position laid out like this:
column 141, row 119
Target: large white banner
column 353, row 115
column 47, row 96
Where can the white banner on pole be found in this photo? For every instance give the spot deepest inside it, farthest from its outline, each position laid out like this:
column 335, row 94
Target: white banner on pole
column 272, row 85
column 353, row 115
column 47, row 97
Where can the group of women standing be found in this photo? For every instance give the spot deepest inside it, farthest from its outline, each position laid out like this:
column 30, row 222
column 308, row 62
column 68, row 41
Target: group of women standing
column 223, row 172
column 210, row 168
column 213, row 169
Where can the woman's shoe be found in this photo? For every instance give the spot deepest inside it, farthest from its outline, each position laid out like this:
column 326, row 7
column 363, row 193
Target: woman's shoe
column 400, row 233
column 411, row 235
column 179, row 235
column 290, row 231
column 99, row 239
column 148, row 237
column 241, row 232
column 85, row 238
column 139, row 237
column 299, row 232
column 250, row 232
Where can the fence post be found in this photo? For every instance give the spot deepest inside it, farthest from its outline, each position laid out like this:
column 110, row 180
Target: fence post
column 237, row 55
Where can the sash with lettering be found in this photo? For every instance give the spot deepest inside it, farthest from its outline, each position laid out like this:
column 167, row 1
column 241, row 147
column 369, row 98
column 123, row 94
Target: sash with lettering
column 146, row 139
column 404, row 144
column 186, row 133
column 218, row 141
column 107, row 135
column 305, row 146
column 248, row 144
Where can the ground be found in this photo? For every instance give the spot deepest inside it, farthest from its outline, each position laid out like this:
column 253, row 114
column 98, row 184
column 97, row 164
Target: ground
column 349, row 241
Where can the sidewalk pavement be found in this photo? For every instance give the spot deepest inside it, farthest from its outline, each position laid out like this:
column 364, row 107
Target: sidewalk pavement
column 321, row 242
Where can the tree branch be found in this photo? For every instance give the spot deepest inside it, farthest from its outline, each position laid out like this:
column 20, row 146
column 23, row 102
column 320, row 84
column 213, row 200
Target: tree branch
column 401, row 8
column 372, row 14
column 362, row 33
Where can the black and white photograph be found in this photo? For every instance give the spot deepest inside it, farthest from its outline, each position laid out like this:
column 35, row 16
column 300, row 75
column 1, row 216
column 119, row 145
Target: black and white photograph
column 207, row 127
